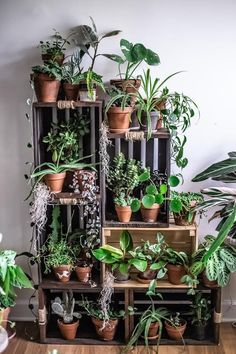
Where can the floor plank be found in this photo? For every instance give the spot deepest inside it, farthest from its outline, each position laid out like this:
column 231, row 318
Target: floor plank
column 22, row 344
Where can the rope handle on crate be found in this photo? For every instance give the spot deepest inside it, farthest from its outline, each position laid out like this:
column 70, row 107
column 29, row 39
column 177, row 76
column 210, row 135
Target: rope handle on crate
column 66, row 104
column 42, row 316
column 217, row 317
column 134, row 135
column 68, row 201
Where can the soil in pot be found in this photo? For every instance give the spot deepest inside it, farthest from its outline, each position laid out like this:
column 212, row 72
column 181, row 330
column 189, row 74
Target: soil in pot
column 124, row 213
column 208, row 283
column 118, row 119
column 176, row 333
column 175, row 273
column 58, row 58
column 150, row 214
column 46, row 88
column 55, row 181
column 83, row 273
column 4, row 317
column 108, row 332
column 199, row 331
column 68, row 330
column 71, row 91
column 182, row 219
column 63, row 272
column 154, row 119
column 120, row 277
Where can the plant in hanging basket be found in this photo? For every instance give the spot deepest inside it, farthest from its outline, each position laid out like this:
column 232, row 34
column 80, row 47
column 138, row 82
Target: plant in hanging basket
column 64, row 308
column 119, row 258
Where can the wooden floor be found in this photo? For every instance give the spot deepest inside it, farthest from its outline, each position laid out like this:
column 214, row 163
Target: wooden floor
column 22, row 344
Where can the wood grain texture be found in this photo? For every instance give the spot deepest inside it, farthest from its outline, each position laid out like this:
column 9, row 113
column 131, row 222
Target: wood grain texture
column 21, row 344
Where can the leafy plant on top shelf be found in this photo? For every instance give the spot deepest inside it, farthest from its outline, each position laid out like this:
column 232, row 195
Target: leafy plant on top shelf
column 52, row 69
column 134, row 55
column 149, row 325
column 71, row 70
column 55, row 47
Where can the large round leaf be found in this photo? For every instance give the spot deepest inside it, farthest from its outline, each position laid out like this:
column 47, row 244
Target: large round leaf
column 139, row 52
column 139, row 264
column 135, row 205
column 152, row 58
column 163, row 188
column 148, row 200
column 159, row 199
column 126, row 242
column 144, row 176
column 175, row 205
column 173, row 181
column 126, row 47
column 151, row 189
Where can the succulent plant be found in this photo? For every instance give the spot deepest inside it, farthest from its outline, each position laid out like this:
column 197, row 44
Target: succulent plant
column 65, row 308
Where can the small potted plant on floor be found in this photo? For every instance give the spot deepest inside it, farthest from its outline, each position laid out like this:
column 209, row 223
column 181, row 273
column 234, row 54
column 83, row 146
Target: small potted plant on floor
column 11, row 276
column 176, row 263
column 123, row 177
column 47, row 80
column 200, row 316
column 64, row 308
column 189, row 201
column 54, row 49
column 175, row 326
column 118, row 257
column 71, row 75
column 118, row 110
column 105, row 325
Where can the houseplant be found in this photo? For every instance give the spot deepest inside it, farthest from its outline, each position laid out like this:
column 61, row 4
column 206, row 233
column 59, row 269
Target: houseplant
column 88, row 40
column 123, row 177
column 118, row 110
column 175, row 326
column 64, row 308
column 118, row 257
column 71, row 75
column 54, row 49
column 134, row 55
column 105, row 326
column 149, row 325
column 176, row 263
column 200, row 316
column 47, row 80
column 11, row 276
column 189, row 201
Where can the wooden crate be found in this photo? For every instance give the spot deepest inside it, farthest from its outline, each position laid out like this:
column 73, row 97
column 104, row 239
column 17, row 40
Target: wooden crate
column 153, row 153
column 180, row 238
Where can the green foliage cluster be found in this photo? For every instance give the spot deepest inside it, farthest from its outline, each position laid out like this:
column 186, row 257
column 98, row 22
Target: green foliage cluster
column 56, row 46
column 51, row 68
column 93, row 310
column 184, row 203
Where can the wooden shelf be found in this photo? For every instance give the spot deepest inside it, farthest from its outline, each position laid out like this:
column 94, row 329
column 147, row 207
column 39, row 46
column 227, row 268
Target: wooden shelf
column 159, row 134
column 162, row 283
column 98, row 103
column 141, row 225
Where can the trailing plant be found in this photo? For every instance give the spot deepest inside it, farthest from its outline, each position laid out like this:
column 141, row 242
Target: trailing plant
column 51, row 68
column 187, row 202
column 56, row 46
column 38, row 208
column 124, row 176
column 65, row 307
column 104, row 142
column 118, row 257
column 134, row 55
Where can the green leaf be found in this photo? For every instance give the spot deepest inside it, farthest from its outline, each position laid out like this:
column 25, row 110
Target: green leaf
column 114, row 57
column 148, row 200
column 135, row 205
column 113, row 250
column 145, row 176
column 152, row 58
column 138, row 52
column 163, row 188
column 159, row 199
column 111, row 34
column 175, row 205
column 139, row 264
column 173, row 181
column 124, row 268
column 22, row 279
column 151, row 189
column 126, row 242
column 216, row 170
column 99, row 254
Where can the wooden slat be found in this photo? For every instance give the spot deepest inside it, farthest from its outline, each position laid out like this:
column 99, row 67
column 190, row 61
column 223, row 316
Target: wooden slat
column 162, row 283
column 130, row 149
column 92, row 134
column 155, row 154
column 143, row 153
column 117, row 146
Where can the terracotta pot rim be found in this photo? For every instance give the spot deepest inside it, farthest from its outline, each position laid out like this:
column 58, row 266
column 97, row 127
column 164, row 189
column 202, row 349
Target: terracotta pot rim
column 120, row 110
column 75, row 322
column 81, row 268
column 44, row 77
column 123, row 207
column 183, row 321
column 64, row 266
column 172, row 266
column 154, row 206
column 70, row 84
column 98, row 320
column 56, row 175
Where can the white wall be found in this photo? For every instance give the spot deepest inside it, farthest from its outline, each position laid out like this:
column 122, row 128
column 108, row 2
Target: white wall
column 196, row 36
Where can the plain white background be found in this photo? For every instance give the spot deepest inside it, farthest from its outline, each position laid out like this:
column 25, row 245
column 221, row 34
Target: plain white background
column 196, row 36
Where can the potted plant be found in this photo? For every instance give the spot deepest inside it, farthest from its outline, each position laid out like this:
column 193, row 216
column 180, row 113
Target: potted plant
column 175, row 326
column 189, row 201
column 11, row 276
column 123, row 177
column 56, row 252
column 69, row 323
column 149, row 325
column 152, row 255
column 176, row 263
column 118, row 257
column 105, row 326
column 200, row 316
column 118, row 110
column 134, row 55
column 88, row 40
column 71, row 75
column 54, row 49
column 47, row 80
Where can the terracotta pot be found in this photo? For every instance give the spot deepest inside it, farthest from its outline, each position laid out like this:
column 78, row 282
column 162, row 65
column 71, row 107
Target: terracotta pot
column 150, row 214
column 84, row 177
column 55, row 181
column 63, row 272
column 154, row 119
column 71, row 91
column 107, row 333
column 148, row 274
column 68, row 330
column 175, row 273
column 129, row 86
column 83, row 273
column 120, row 277
column 209, row 283
column 46, row 88
column 124, row 213
column 58, row 58
column 182, row 219
column 153, row 330
column 4, row 317
column 176, row 333
column 118, row 119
